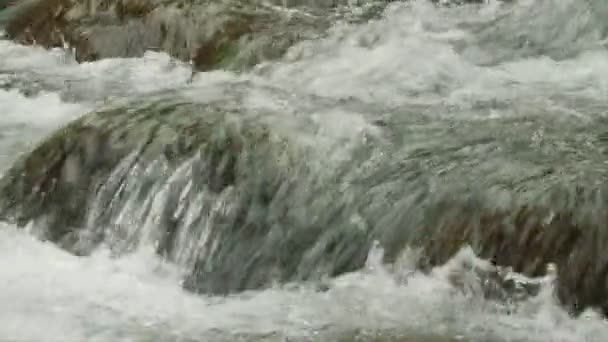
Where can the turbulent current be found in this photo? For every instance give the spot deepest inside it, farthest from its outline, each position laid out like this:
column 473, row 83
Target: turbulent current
column 293, row 211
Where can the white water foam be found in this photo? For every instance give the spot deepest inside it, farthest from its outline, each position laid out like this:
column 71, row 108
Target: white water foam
column 93, row 82
column 412, row 56
column 25, row 120
column 49, row 295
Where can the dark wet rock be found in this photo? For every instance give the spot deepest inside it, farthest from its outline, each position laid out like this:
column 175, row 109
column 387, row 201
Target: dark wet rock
column 75, row 183
column 528, row 239
column 6, row 3
column 229, row 34
column 53, row 183
column 127, row 28
column 40, row 22
column 245, row 202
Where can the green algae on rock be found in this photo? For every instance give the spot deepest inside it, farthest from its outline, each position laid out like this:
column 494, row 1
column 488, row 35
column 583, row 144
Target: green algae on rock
column 56, row 178
column 70, row 179
column 244, row 197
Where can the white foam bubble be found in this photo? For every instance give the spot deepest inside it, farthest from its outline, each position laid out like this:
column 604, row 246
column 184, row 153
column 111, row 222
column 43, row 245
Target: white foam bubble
column 101, row 298
column 25, row 120
column 94, row 81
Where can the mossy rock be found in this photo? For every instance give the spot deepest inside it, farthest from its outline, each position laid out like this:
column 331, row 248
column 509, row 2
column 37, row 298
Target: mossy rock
column 287, row 212
column 54, row 182
column 263, row 174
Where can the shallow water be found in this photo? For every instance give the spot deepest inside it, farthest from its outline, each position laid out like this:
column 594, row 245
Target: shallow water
column 526, row 81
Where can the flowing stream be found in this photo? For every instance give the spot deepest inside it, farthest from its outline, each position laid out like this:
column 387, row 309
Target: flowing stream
column 451, row 91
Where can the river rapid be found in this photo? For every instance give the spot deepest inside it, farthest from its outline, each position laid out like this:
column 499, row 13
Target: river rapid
column 531, row 73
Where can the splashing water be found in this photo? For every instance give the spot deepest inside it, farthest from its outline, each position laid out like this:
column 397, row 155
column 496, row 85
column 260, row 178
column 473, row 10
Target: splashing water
column 501, row 76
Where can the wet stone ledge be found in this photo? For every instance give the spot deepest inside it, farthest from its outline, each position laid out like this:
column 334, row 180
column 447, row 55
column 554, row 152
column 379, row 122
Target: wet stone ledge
column 210, row 34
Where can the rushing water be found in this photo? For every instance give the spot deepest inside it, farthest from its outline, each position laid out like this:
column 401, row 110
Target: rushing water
column 528, row 79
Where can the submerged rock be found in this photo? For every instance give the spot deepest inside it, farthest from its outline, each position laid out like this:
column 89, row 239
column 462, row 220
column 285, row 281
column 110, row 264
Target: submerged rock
column 245, row 198
column 55, row 180
column 225, row 194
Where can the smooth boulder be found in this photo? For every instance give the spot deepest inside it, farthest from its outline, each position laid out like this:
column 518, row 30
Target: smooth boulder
column 246, row 198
